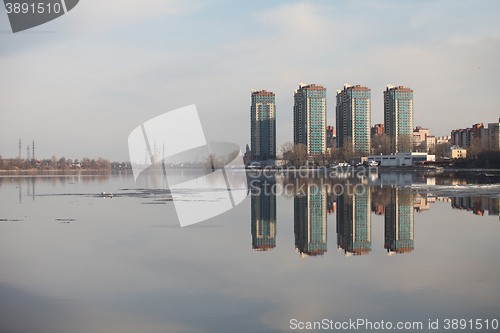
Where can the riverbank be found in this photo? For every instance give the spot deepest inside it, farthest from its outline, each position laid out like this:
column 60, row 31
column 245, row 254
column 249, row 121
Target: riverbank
column 31, row 172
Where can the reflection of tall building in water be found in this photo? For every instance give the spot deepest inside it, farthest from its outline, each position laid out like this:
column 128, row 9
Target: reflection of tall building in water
column 310, row 221
column 399, row 222
column 263, row 220
column 354, row 224
column 421, row 203
column 331, row 205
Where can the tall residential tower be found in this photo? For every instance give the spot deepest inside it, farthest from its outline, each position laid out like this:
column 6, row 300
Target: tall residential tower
column 263, row 125
column 309, row 118
column 398, row 117
column 353, row 118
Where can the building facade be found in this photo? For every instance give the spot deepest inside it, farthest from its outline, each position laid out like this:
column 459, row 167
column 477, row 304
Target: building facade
column 353, row 118
column 309, row 118
column 400, row 159
column 398, row 117
column 493, row 136
column 263, row 125
column 443, row 139
column 455, row 152
column 377, row 129
column 419, row 135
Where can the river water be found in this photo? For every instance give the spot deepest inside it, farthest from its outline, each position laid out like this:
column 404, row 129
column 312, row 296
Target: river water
column 403, row 248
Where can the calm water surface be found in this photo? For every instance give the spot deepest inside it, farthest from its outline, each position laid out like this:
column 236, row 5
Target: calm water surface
column 74, row 260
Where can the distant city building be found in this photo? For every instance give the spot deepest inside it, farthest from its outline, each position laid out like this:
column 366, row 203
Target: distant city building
column 309, row 118
column 377, row 129
column 353, row 117
column 443, row 139
column 400, row 159
column 331, row 136
column 263, row 219
column 263, row 125
column 247, row 157
column 493, row 136
column 398, row 116
column 354, row 224
column 419, row 135
column 310, row 221
column 399, row 222
column 486, row 137
column 430, row 143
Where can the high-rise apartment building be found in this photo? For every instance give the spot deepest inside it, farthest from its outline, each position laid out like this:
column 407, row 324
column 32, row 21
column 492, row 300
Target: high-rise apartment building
column 353, row 118
column 398, row 117
column 309, row 118
column 263, row 125
column 493, row 136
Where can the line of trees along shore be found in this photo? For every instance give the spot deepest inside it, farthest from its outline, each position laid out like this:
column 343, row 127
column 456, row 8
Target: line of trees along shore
column 62, row 163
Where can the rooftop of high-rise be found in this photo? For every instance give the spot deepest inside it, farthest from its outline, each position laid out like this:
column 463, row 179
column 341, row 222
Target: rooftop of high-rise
column 262, row 92
column 355, row 87
column 303, row 85
column 399, row 88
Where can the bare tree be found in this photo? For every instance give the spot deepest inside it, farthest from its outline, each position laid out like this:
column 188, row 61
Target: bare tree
column 440, row 149
column 405, row 143
column 423, row 147
column 347, row 151
column 475, row 148
column 334, row 155
column 381, row 144
column 294, row 154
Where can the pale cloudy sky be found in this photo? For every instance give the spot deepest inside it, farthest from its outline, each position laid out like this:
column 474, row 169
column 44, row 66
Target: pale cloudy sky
column 80, row 84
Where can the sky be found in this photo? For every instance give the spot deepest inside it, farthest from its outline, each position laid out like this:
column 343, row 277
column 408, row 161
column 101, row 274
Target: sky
column 80, row 84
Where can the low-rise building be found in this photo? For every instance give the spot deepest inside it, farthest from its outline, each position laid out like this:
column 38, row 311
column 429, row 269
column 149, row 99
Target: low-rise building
column 455, row 152
column 401, row 159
